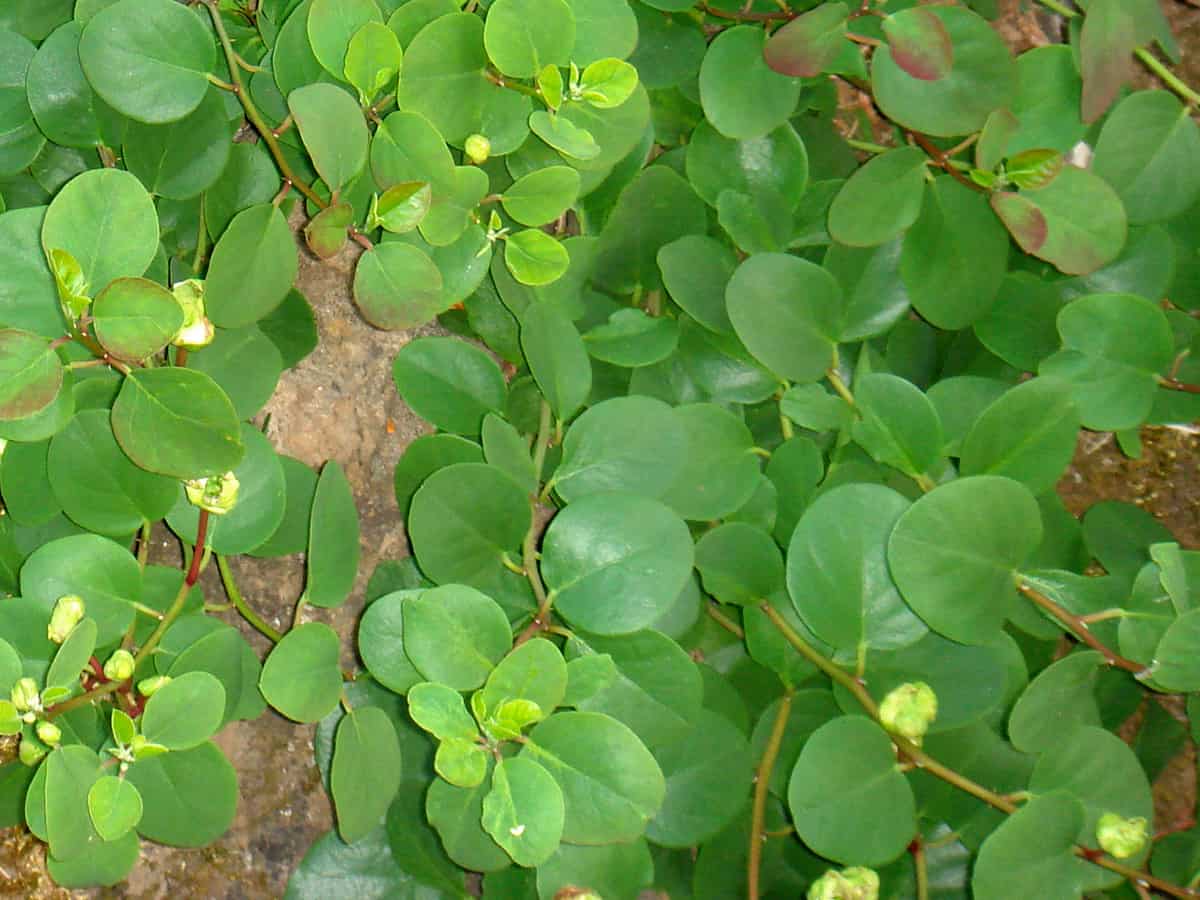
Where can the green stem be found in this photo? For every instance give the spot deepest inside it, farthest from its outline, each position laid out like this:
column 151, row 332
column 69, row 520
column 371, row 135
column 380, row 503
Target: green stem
column 840, row 386
column 529, row 554
column 1055, row 6
column 1079, row 628
column 252, row 113
column 235, row 597
column 542, row 441
column 201, row 241
column 747, row 16
column 762, row 781
column 147, row 610
column 1166, row 76
column 725, row 622
column 918, row 855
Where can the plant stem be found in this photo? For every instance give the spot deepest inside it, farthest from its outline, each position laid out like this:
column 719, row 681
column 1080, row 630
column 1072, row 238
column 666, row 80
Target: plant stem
column 945, row 163
column 193, row 574
column 529, row 554
column 1079, row 628
column 762, row 781
column 201, row 241
column 725, row 622
column 839, row 386
column 1166, row 76
column 235, row 597
column 1056, row 7
column 252, row 113
column 143, row 550
column 1173, row 384
column 542, row 441
column 918, row 854
column 746, row 16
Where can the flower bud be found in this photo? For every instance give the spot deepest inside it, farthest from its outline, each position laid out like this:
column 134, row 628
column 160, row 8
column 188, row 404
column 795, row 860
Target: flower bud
column 25, row 695
column 48, row 733
column 147, row 686
column 1121, row 837
column 218, row 494
column 68, row 612
column 855, row 883
column 119, row 666
column 197, row 330
column 31, row 751
column 478, row 149
column 909, row 710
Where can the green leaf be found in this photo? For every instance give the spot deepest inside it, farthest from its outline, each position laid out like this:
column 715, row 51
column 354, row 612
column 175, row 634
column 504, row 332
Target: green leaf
column 1076, row 222
column 180, row 160
column 449, row 382
column 440, row 711
column 70, row 773
column 955, row 552
column 615, row 562
column 190, row 796
column 1060, row 699
column 373, row 59
column 607, row 83
column 250, row 178
column 31, row 374
column 325, row 233
column 426, row 455
column 632, row 444
column 332, row 25
column 332, row 560
column 185, row 712
column 463, row 521
column 981, row 75
column 564, row 135
column 455, row 635
column 115, row 806
column 920, row 44
column 63, row 103
column 846, row 775
column 1175, row 666
column 148, row 59
column 534, row 671
column 28, row 295
column 522, row 36
column 1028, row 434
column 1034, row 850
column 523, row 811
column 739, row 564
column 456, row 813
column 176, row 422
column 444, row 77
column 72, row 657
column 899, row 425
column 542, row 195
column 505, row 448
column 771, row 167
column 403, row 206
column 720, row 469
column 135, row 318
column 881, row 200
column 556, row 356
column 22, row 140
column 695, row 270
column 808, row 44
column 381, row 643
column 102, row 863
column 534, row 257
column 106, row 220
column 741, row 96
column 331, row 868
column 333, row 129
column 365, row 772
column 461, row 762
column 608, row 797
column 252, row 269
column 302, row 677
column 614, row 870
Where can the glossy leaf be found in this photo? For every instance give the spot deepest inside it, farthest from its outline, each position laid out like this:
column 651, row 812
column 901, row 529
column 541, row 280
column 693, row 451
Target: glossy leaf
column 302, row 677
column 455, row 635
column 449, row 383
column 881, row 200
column 805, row 46
column 397, row 286
column 365, row 771
column 333, row 130
column 252, row 269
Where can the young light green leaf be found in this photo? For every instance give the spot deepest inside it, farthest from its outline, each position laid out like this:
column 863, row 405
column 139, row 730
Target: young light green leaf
column 373, row 60
column 524, row 811
column 115, row 806
column 609, row 82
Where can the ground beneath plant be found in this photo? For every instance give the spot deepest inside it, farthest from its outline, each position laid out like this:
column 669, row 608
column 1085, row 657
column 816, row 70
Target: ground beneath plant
column 340, row 404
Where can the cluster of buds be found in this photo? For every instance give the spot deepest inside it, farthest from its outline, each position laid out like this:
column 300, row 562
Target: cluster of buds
column 218, row 494
column 25, row 707
column 855, row 883
column 197, row 330
column 68, row 612
column 26, row 700
column 1119, row 837
column 909, row 710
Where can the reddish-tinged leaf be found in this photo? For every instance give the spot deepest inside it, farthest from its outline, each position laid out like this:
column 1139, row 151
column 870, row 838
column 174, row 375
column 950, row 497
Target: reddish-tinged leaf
column 1035, row 168
column 806, row 45
column 326, row 231
column 920, row 44
column 1023, row 220
column 1106, row 44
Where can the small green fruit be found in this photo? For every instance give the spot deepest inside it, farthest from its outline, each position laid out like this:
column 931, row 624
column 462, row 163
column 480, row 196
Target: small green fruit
column 68, row 612
column 1120, row 837
column 119, row 666
column 478, row 149
column 909, row 710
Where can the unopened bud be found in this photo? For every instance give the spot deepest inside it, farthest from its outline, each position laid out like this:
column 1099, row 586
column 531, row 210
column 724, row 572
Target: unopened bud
column 197, row 330
column 31, row 751
column 49, row 733
column 856, row 883
column 147, row 686
column 1121, row 837
column 24, row 695
column 218, row 494
column 478, row 149
column 68, row 612
column 119, row 666
column 909, row 710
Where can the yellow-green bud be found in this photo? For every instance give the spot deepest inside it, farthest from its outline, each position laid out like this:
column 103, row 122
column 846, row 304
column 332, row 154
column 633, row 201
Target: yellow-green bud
column 1121, row 837
column 478, row 149
column 24, row 695
column 197, row 330
column 31, row 751
column 119, row 666
column 218, row 494
column 68, row 612
column 48, row 733
column 909, row 710
column 147, row 686
column 855, row 883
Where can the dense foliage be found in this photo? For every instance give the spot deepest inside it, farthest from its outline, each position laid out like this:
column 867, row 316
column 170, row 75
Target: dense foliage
column 738, row 567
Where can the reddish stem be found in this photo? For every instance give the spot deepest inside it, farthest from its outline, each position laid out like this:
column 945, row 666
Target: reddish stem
column 193, row 574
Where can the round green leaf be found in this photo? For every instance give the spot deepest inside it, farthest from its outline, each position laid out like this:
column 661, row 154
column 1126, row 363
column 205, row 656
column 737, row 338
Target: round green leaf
column 742, row 97
column 807, row 45
column 115, row 806
column 449, row 383
column 603, row 29
column 381, row 643
column 668, row 52
column 615, row 562
column 333, row 129
column 373, row 59
column 630, row 338
column 954, row 554
column 96, row 483
column 444, row 77
column 556, row 356
column 773, row 164
column 106, row 220
column 609, row 796
column 332, row 24
column 426, row 455
column 135, row 318
column 365, row 771
column 1033, row 852
column 252, row 269
column 837, row 570
column 786, row 312
column 982, row 77
column 455, row 812
column 695, row 270
column 148, row 59
column 397, row 286
column 1061, row 698
column 21, row 142
column 176, row 422
column 881, row 200
column 524, row 812
column 899, row 425
column 180, row 160
column 250, row 178
column 534, row 257
column 523, row 36
column 845, row 778
column 63, row 104
column 28, row 295
column 564, row 136
column 190, row 796
column 533, row 671
column 302, row 677
column 185, row 712
column 919, row 43
column 463, row 521
column 31, row 374
column 739, row 564
column 245, row 363
column 1175, row 661
column 1020, row 326
column 440, row 710
column 455, row 635
column 720, row 469
column 332, row 559
column 542, row 195
column 25, row 484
